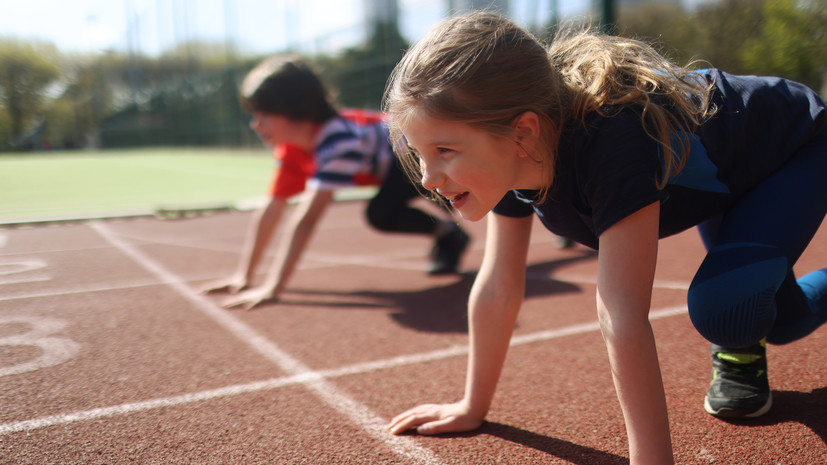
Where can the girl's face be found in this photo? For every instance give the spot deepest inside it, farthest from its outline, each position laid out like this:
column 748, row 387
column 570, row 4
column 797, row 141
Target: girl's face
column 272, row 129
column 277, row 129
column 471, row 168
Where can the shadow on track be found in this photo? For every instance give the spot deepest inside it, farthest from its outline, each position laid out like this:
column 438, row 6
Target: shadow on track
column 555, row 448
column 807, row 408
column 442, row 309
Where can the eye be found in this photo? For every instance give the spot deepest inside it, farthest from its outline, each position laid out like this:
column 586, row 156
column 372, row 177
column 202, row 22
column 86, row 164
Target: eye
column 444, row 150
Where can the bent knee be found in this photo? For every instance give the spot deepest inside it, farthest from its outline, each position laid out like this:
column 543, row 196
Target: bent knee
column 732, row 297
column 380, row 218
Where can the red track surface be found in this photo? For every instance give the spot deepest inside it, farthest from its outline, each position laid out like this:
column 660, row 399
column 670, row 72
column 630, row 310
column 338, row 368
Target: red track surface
column 107, row 355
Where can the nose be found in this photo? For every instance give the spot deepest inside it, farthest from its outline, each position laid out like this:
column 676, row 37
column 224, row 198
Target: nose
column 254, row 123
column 431, row 177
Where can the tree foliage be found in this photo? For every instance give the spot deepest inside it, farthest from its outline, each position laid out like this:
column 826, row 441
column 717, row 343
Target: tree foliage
column 360, row 73
column 26, row 72
column 792, row 41
column 188, row 94
column 786, row 38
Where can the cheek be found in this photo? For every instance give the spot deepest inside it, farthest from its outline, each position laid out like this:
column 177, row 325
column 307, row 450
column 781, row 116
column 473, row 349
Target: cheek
column 479, row 176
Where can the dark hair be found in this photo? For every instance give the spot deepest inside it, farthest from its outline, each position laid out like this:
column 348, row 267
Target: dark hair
column 286, row 86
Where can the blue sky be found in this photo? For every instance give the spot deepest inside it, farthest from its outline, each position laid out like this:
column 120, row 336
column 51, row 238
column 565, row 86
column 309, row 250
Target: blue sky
column 255, row 26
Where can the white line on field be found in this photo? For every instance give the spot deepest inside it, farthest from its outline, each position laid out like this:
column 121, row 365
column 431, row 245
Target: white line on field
column 592, row 279
column 327, row 392
column 147, row 282
column 306, row 378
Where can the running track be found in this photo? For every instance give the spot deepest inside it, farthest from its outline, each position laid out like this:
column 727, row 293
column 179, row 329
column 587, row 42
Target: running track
column 109, row 356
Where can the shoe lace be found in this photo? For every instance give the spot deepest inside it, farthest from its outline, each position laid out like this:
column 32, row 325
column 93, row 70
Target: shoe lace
column 739, row 366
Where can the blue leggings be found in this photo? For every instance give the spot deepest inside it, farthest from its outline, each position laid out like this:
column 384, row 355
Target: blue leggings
column 745, row 288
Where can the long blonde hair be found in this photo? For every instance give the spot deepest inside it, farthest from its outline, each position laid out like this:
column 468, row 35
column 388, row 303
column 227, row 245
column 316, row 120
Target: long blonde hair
column 483, row 70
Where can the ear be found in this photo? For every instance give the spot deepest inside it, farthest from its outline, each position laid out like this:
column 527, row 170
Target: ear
column 527, row 130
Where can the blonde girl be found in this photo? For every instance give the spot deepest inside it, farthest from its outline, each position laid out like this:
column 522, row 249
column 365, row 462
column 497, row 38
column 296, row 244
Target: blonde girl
column 613, row 146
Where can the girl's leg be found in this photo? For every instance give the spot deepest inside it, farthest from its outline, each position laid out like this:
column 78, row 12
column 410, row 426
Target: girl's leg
column 745, row 292
column 390, row 211
column 745, row 288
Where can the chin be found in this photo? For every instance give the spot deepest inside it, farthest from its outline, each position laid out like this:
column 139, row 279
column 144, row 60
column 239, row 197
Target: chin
column 472, row 216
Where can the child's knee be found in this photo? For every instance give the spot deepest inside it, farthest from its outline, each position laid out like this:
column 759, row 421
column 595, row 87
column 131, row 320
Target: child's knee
column 732, row 298
column 380, row 217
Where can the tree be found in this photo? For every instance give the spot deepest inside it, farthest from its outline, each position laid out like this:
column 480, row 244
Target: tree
column 359, row 74
column 668, row 27
column 784, row 38
column 792, row 41
column 26, row 71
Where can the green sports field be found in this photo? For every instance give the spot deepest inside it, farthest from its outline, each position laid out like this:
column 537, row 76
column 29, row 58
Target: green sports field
column 67, row 185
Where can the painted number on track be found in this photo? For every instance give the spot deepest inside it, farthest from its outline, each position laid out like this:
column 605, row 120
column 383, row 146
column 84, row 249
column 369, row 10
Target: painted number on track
column 21, row 271
column 53, row 350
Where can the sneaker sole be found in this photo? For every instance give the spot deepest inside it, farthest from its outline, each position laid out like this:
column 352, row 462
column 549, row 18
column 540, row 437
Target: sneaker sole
column 730, row 413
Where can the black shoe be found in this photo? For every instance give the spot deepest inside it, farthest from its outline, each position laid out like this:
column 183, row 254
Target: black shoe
column 564, row 243
column 447, row 252
column 740, row 388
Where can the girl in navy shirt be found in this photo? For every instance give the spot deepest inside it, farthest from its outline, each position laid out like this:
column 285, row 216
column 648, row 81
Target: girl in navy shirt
column 615, row 147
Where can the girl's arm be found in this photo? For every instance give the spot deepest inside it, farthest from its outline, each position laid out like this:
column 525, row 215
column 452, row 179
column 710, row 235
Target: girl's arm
column 493, row 307
column 626, row 268
column 301, row 228
column 262, row 225
column 259, row 237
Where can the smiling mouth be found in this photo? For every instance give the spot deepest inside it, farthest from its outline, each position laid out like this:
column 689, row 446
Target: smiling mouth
column 458, row 198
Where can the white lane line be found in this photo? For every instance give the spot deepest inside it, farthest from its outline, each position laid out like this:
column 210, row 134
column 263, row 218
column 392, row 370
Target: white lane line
column 123, row 409
column 113, row 286
column 202, row 276
column 304, row 378
column 587, row 327
column 357, row 412
column 576, row 278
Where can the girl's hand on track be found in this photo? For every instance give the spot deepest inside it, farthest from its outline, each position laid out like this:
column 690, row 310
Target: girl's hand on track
column 250, row 298
column 436, row 419
column 230, row 285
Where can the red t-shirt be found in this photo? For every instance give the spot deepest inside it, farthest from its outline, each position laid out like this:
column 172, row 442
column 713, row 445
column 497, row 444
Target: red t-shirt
column 296, row 166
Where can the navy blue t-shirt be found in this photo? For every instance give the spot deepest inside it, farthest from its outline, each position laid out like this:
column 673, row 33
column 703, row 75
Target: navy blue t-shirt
column 609, row 167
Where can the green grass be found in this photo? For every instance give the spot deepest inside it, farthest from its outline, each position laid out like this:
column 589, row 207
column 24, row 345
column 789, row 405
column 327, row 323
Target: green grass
column 56, row 185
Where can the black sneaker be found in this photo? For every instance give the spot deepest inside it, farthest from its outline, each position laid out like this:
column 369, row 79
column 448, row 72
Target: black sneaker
column 564, row 243
column 739, row 388
column 447, row 252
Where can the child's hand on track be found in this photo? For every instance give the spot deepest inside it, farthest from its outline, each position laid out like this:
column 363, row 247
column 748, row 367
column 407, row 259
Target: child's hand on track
column 248, row 299
column 230, row 285
column 436, row 419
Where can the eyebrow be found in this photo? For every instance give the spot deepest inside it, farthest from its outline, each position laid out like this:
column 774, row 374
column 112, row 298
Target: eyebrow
column 444, row 142
column 439, row 143
column 436, row 143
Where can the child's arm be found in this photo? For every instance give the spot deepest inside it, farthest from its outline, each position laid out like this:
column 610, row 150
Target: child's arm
column 493, row 307
column 626, row 268
column 302, row 225
column 260, row 231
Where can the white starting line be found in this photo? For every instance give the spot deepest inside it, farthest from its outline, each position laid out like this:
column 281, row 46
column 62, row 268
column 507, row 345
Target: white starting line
column 327, row 392
column 299, row 374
